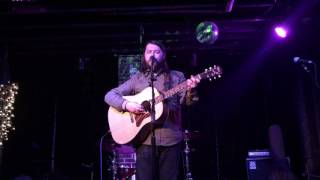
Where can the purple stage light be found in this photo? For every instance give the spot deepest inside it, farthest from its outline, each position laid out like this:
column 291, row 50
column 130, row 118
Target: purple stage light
column 281, row 31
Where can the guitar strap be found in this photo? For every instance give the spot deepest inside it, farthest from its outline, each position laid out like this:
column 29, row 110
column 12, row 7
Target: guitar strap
column 168, row 85
column 167, row 79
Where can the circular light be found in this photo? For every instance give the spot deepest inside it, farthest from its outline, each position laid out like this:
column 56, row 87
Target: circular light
column 207, row 32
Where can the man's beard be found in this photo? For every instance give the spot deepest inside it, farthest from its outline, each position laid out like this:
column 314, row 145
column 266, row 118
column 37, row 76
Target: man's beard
column 158, row 67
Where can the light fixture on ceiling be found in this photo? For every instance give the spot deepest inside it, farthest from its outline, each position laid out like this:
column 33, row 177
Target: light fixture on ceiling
column 207, row 32
column 229, row 6
column 281, row 31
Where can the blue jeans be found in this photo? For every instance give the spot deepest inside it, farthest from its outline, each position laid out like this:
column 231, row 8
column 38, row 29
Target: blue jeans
column 168, row 161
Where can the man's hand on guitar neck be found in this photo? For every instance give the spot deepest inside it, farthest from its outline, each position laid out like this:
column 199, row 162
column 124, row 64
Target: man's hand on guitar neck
column 133, row 107
column 192, row 82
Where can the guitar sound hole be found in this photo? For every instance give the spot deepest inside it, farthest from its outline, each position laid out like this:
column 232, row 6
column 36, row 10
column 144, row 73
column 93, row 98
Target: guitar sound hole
column 146, row 105
column 140, row 117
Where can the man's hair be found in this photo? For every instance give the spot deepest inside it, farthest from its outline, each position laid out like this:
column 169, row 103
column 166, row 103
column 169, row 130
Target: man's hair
column 162, row 66
column 159, row 44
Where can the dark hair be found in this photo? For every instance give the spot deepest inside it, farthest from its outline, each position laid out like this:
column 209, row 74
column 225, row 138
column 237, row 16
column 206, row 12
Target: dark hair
column 159, row 44
column 162, row 66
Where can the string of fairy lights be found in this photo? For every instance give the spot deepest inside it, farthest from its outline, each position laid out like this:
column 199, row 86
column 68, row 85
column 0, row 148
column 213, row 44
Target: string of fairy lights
column 7, row 99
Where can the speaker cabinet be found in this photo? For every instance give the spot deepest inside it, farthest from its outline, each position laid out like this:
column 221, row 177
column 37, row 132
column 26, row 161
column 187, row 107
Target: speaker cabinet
column 258, row 168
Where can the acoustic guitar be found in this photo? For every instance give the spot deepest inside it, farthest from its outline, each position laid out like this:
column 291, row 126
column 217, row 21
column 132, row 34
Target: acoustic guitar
column 129, row 127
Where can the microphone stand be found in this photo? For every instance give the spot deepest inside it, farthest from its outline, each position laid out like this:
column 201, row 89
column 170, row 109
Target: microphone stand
column 313, row 74
column 152, row 114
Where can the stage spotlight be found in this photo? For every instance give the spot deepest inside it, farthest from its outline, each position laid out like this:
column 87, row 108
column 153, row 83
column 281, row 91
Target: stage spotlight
column 207, row 32
column 229, row 6
column 281, row 31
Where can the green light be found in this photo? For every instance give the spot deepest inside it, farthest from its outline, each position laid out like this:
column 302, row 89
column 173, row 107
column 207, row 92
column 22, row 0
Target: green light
column 209, row 29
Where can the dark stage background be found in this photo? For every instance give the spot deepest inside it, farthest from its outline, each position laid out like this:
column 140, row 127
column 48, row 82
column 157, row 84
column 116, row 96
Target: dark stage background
column 65, row 58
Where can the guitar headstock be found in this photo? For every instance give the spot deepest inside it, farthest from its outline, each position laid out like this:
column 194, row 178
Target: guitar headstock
column 214, row 72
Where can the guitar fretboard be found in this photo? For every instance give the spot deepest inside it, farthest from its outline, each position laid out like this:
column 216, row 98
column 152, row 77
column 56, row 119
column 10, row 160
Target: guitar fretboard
column 216, row 71
column 182, row 86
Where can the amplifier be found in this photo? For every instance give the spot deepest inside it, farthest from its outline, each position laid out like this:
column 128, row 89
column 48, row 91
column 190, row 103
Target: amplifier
column 258, row 168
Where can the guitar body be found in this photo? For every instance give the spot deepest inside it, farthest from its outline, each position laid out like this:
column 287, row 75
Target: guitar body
column 128, row 127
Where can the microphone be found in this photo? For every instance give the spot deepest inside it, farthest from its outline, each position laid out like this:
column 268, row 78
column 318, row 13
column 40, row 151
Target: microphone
column 152, row 58
column 299, row 60
column 154, row 61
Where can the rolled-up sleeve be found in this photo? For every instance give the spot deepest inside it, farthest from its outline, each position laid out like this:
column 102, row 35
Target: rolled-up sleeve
column 115, row 98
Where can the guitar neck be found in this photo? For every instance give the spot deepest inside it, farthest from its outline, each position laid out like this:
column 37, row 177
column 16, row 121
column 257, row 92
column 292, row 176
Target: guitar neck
column 208, row 73
column 182, row 86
